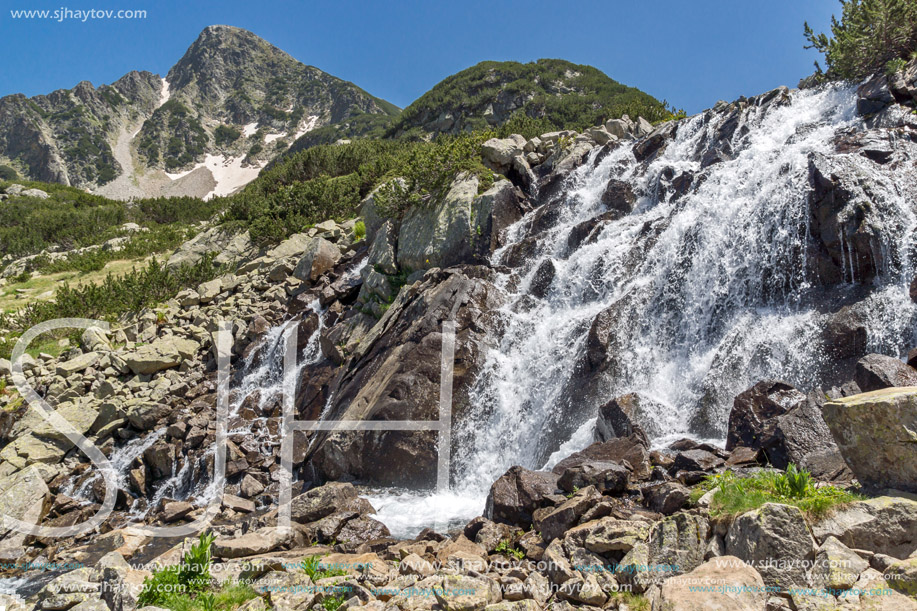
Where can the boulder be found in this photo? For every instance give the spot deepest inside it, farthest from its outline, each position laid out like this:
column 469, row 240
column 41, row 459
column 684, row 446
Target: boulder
column 875, row 433
column 631, row 414
column 554, row 523
column 208, row 291
column 676, row 545
column 382, row 252
column 696, row 460
column 884, row 525
column 76, row 365
column 771, row 532
column 439, row 235
column 666, row 498
column 228, row 247
column 23, row 496
column 143, row 416
column 700, row 590
column 802, row 437
column 319, row 257
column 874, row 95
column 619, row 196
column 877, row 371
column 261, row 541
column 836, row 566
column 631, row 449
column 322, row 501
column 293, row 246
column 606, row 477
column 38, row 193
column 94, row 339
column 176, row 510
column 152, row 358
column 501, row 151
column 466, row 593
column 753, row 414
column 515, row 496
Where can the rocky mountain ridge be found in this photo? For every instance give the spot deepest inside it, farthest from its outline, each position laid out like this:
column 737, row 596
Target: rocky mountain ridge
column 232, row 103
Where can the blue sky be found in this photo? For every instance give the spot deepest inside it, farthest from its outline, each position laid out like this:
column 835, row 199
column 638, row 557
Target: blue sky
column 691, row 53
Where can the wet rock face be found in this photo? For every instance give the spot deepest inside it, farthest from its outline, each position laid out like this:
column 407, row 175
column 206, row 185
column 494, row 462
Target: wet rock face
column 394, row 374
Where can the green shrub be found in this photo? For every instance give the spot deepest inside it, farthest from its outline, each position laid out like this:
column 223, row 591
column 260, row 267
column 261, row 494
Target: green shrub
column 794, row 487
column 506, row 548
column 359, row 230
column 8, row 173
column 869, row 35
column 141, row 288
column 225, row 134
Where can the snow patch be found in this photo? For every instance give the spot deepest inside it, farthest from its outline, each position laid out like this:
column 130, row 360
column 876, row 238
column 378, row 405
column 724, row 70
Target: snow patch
column 308, row 126
column 185, row 173
column 229, row 174
column 165, row 94
column 271, row 137
column 250, row 129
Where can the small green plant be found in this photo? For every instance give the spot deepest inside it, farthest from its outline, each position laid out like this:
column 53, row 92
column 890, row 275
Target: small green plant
column 207, row 601
column 195, row 570
column 635, row 602
column 359, row 230
column 315, row 570
column 794, row 483
column 333, row 603
column 169, row 585
column 894, row 65
column 506, row 548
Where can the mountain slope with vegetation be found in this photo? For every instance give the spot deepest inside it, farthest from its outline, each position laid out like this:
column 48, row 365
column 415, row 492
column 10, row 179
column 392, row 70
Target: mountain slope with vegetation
column 490, row 93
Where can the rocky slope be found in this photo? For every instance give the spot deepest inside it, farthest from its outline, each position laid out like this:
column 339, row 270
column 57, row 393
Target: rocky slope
column 231, row 104
column 744, row 275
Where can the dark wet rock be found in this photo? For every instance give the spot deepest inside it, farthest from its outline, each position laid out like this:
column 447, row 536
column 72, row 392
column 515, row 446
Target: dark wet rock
column 628, row 451
column 666, row 498
column 753, row 414
column 516, row 495
column 877, row 371
column 606, row 477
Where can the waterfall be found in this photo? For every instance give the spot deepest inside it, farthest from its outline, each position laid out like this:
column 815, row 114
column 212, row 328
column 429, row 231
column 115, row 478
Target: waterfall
column 709, row 291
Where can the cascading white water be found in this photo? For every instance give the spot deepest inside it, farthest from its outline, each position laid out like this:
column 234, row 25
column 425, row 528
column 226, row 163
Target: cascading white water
column 709, row 290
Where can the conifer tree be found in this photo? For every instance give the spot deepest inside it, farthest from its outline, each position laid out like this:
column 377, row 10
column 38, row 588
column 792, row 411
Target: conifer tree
column 871, row 35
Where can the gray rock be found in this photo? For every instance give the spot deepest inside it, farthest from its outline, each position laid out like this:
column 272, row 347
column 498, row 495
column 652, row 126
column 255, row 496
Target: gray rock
column 320, row 256
column 836, row 566
column 35, row 193
column 500, row 152
column 557, row 521
column 682, row 593
column 884, row 525
column 78, row 364
column 382, row 252
column 439, row 235
column 606, row 477
column 322, row 501
column 876, row 435
column 771, row 532
column 254, row 543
